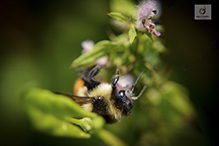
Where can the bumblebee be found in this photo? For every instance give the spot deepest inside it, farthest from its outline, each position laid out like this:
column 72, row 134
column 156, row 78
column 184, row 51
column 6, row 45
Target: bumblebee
column 106, row 99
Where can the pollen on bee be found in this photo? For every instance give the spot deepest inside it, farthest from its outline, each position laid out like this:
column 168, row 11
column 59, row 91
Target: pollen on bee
column 78, row 84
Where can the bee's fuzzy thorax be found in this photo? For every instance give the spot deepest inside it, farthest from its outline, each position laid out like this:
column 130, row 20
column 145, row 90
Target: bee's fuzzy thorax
column 103, row 90
column 104, row 104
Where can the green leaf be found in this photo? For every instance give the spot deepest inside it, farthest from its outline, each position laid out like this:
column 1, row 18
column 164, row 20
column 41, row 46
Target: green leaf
column 175, row 105
column 149, row 35
column 100, row 49
column 118, row 16
column 110, row 139
column 53, row 114
column 132, row 35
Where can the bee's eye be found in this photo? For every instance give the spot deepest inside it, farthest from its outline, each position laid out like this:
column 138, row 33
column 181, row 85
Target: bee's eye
column 123, row 103
column 120, row 96
column 122, row 93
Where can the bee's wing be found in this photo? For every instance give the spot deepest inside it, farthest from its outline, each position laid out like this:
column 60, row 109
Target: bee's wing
column 79, row 99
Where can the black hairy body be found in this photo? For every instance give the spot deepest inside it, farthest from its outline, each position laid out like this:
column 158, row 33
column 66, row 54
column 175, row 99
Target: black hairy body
column 105, row 99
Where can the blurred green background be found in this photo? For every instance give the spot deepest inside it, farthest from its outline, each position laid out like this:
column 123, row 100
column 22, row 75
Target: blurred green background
column 40, row 38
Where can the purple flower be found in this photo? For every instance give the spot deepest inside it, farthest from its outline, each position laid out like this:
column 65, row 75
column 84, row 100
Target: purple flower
column 87, row 45
column 102, row 61
column 147, row 9
column 125, row 82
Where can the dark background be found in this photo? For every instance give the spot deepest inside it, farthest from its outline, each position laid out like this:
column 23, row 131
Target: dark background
column 39, row 40
column 194, row 56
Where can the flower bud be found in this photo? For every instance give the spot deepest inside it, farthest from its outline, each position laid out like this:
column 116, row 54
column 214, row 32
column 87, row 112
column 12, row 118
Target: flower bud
column 87, row 45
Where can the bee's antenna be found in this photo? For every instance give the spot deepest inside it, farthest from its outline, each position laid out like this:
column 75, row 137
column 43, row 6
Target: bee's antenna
column 142, row 91
column 133, row 86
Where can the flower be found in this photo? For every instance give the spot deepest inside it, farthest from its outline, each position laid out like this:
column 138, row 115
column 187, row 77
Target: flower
column 87, row 46
column 147, row 10
column 102, row 61
column 125, row 82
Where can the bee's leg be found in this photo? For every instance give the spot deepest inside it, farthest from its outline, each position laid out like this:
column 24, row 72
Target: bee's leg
column 94, row 71
column 115, row 78
column 90, row 83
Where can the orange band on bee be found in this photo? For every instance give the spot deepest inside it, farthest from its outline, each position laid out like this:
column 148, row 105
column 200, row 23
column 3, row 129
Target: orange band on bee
column 78, row 84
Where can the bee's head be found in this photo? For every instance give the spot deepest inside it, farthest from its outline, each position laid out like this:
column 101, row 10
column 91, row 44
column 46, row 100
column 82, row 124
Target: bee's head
column 124, row 98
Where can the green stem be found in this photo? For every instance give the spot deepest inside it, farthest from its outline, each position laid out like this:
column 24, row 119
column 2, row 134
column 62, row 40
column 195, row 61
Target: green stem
column 110, row 139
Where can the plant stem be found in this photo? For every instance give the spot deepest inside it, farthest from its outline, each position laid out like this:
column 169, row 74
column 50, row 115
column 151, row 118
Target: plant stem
column 110, row 139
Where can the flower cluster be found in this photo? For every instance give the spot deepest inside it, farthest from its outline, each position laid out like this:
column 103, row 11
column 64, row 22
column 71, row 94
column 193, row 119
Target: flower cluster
column 147, row 9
